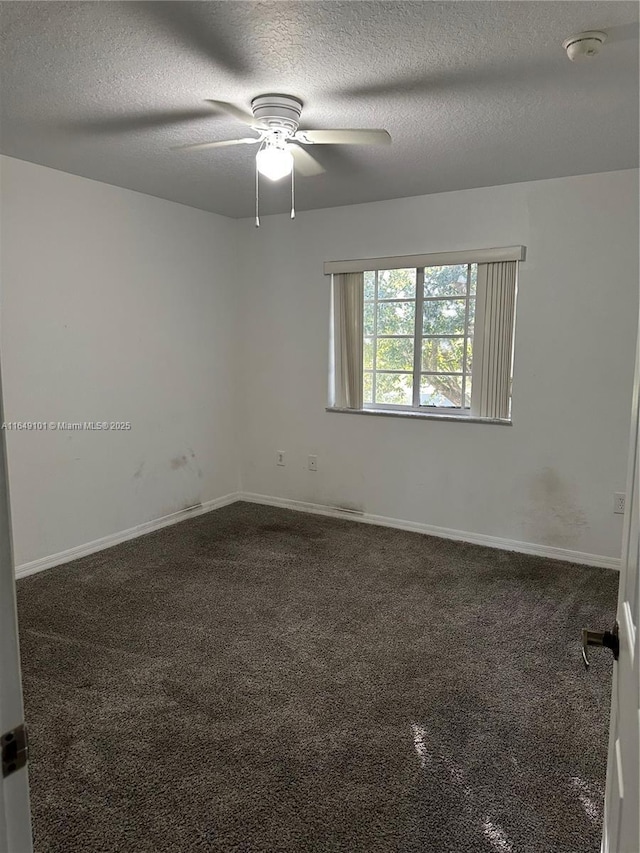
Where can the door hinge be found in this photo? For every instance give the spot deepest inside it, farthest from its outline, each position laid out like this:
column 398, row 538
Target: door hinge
column 15, row 750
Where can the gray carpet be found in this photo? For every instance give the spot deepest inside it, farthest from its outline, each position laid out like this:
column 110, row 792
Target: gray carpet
column 258, row 680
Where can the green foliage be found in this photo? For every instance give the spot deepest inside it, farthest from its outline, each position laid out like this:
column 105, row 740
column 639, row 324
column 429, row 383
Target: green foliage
column 370, row 285
column 395, row 354
column 392, row 354
column 444, row 317
column 435, row 389
column 367, row 354
column 369, row 319
column 397, row 284
column 441, row 317
column 442, row 355
column 446, row 281
column 396, row 318
column 394, row 388
column 368, row 388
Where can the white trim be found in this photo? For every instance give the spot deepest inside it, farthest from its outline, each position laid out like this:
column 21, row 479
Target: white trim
column 316, row 509
column 418, row 332
column 430, row 413
column 442, row 532
column 468, row 256
column 123, row 536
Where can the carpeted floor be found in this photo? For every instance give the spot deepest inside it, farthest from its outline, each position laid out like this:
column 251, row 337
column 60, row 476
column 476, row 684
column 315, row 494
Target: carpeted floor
column 258, row 680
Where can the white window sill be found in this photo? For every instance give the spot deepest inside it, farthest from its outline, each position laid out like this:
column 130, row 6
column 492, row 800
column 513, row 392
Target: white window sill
column 390, row 413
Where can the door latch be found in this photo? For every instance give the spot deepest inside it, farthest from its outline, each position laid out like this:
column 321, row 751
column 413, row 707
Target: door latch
column 608, row 639
column 15, row 750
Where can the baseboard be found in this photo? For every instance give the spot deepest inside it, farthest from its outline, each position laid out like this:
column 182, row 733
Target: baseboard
column 319, row 509
column 123, row 536
column 443, row 532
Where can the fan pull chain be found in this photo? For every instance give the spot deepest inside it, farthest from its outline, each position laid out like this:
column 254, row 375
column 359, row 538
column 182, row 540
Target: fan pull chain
column 257, row 198
column 293, row 206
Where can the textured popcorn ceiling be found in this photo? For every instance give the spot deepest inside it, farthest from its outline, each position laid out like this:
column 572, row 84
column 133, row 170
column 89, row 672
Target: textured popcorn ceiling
column 473, row 93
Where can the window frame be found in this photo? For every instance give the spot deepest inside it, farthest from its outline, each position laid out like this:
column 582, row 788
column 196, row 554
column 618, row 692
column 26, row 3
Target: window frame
column 418, row 338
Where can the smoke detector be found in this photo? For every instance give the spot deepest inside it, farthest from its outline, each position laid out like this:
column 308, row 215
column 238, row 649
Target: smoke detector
column 584, row 45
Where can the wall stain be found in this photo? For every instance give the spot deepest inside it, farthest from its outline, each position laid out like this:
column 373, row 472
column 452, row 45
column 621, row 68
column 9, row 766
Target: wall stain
column 184, row 461
column 178, row 462
column 138, row 471
column 193, row 456
column 554, row 515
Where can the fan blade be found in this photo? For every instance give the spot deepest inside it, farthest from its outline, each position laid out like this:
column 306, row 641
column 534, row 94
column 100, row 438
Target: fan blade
column 241, row 115
column 199, row 146
column 304, row 162
column 343, row 137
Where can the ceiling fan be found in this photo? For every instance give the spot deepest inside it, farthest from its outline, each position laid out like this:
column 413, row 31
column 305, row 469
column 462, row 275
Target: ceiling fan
column 276, row 118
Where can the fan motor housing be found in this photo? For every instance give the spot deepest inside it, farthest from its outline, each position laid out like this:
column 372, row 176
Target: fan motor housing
column 278, row 111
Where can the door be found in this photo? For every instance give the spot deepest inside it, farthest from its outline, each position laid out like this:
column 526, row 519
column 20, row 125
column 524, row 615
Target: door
column 621, row 831
column 15, row 823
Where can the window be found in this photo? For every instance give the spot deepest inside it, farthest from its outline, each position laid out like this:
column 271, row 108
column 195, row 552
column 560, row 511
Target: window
column 418, row 337
column 425, row 334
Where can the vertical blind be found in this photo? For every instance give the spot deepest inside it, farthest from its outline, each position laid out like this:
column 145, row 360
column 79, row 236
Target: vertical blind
column 493, row 339
column 348, row 301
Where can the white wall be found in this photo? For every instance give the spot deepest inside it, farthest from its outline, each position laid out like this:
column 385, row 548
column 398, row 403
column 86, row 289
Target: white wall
column 547, row 480
column 116, row 306
column 119, row 306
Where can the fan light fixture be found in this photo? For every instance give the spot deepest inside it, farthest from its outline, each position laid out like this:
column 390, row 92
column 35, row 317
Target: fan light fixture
column 274, row 161
column 276, row 120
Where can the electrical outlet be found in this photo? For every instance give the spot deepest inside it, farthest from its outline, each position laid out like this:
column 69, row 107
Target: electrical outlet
column 280, row 457
column 313, row 463
column 619, row 500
